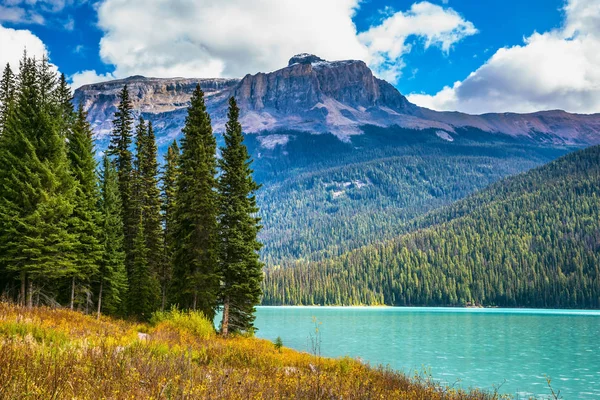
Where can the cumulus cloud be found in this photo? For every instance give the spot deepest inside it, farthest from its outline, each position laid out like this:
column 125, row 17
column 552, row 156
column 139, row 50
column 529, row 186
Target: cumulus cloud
column 86, row 77
column 12, row 43
column 227, row 38
column 437, row 26
column 559, row 69
column 233, row 37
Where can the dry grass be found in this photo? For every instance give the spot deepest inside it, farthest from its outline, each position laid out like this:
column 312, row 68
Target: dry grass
column 58, row 354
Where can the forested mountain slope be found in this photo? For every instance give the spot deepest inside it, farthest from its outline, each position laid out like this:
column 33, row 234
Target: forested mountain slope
column 532, row 240
column 327, row 197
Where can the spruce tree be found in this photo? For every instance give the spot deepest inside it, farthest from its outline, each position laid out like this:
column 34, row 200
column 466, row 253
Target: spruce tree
column 150, row 199
column 86, row 218
column 7, row 92
column 119, row 147
column 241, row 269
column 37, row 190
column 66, row 112
column 169, row 190
column 111, row 277
column 144, row 290
column 195, row 274
column 147, row 254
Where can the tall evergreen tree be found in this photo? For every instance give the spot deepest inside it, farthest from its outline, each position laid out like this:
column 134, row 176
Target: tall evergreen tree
column 150, row 198
column 120, row 143
column 240, row 266
column 112, row 277
column 195, row 274
column 7, row 92
column 86, row 218
column 66, row 112
column 144, row 290
column 36, row 188
column 147, row 254
column 169, row 191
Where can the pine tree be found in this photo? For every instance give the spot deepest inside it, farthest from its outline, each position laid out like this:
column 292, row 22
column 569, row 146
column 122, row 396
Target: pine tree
column 169, row 190
column 146, row 255
column 37, row 190
column 7, row 92
column 64, row 98
column 195, row 274
column 119, row 147
column 112, row 277
column 240, row 266
column 86, row 218
column 150, row 199
column 143, row 290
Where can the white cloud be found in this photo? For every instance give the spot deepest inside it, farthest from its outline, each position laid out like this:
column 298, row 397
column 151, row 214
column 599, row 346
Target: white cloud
column 86, row 77
column 233, row 37
column 227, row 38
column 437, row 26
column 14, row 41
column 559, row 69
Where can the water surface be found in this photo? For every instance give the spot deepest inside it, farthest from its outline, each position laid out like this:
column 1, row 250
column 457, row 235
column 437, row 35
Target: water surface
column 514, row 349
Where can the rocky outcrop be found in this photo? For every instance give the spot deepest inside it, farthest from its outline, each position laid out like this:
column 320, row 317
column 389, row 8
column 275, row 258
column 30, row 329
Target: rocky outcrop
column 315, row 95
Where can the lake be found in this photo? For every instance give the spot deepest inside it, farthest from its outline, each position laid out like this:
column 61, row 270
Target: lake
column 513, row 349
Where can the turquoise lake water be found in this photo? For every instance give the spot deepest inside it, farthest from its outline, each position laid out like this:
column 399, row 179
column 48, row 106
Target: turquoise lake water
column 514, row 349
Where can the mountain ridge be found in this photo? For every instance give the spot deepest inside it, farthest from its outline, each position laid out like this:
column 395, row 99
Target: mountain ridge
column 318, row 96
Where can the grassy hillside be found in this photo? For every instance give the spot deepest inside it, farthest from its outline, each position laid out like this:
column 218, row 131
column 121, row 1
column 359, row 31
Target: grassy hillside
column 58, row 354
column 322, row 197
column 529, row 240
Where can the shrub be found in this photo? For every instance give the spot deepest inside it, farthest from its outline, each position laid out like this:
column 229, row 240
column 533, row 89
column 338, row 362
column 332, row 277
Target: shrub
column 193, row 322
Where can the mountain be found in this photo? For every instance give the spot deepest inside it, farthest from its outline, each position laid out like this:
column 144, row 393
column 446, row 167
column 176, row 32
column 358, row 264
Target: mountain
column 345, row 160
column 318, row 96
column 532, row 240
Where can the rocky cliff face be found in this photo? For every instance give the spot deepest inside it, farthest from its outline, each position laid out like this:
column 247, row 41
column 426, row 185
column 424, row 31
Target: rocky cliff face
column 316, row 96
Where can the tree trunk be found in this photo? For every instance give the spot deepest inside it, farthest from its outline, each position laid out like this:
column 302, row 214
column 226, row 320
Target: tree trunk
column 164, row 298
column 72, row 292
column 225, row 321
column 100, row 298
column 29, row 293
column 23, row 294
column 88, row 300
column 195, row 300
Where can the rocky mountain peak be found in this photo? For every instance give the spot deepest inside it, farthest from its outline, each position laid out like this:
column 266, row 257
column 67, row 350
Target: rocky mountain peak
column 304, row 58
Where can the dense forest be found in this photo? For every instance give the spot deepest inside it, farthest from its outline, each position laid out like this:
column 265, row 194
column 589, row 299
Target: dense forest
column 322, row 197
column 125, row 239
column 532, row 240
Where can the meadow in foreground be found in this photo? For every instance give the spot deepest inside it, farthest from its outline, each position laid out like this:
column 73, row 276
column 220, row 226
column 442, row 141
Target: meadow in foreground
column 50, row 353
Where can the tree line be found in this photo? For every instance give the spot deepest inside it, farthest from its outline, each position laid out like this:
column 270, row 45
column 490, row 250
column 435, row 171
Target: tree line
column 532, row 240
column 127, row 237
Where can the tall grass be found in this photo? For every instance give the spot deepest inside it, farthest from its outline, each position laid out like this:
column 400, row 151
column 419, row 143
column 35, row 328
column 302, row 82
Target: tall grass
column 59, row 354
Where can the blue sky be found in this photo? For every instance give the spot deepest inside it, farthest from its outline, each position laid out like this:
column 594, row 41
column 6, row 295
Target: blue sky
column 469, row 55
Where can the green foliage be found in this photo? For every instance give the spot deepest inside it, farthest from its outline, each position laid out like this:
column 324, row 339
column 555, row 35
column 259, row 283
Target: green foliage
column 193, row 322
column 530, row 240
column 119, row 148
column 196, row 275
column 169, row 189
column 36, row 187
column 240, row 268
column 278, row 343
column 112, row 276
column 143, row 287
column 7, row 93
column 86, row 216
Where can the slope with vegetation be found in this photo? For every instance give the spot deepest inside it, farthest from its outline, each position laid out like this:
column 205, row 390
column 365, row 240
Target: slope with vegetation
column 56, row 354
column 322, row 197
column 532, row 240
